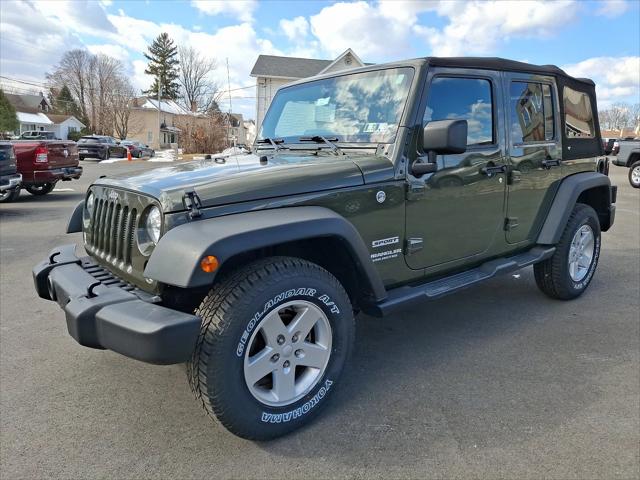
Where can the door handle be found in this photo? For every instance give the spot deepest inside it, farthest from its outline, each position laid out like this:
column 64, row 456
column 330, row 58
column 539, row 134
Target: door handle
column 492, row 169
column 550, row 162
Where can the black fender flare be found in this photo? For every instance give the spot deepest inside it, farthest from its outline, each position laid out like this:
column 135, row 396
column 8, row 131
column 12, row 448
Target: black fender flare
column 176, row 258
column 566, row 198
column 75, row 220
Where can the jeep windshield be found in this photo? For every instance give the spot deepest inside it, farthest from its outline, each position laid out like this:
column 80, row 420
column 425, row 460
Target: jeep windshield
column 355, row 108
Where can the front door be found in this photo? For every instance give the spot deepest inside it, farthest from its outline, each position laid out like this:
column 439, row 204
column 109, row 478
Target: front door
column 535, row 153
column 457, row 213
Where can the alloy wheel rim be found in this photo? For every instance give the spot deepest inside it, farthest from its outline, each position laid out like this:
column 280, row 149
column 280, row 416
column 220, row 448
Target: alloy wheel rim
column 581, row 253
column 287, row 353
column 635, row 175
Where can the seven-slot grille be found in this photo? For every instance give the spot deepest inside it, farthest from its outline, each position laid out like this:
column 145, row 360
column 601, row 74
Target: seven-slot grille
column 113, row 230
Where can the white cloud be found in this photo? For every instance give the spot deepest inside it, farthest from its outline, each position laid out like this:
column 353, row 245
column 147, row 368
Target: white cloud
column 240, row 9
column 367, row 29
column 295, row 29
column 612, row 8
column 478, row 27
column 617, row 78
column 116, row 51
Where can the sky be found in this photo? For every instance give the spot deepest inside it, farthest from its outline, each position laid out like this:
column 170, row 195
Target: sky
column 592, row 38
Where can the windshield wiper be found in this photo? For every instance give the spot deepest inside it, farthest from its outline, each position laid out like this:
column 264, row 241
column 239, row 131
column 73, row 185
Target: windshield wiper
column 274, row 142
column 328, row 141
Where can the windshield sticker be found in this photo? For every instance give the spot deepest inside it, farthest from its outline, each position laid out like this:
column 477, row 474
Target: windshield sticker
column 385, row 241
column 386, row 255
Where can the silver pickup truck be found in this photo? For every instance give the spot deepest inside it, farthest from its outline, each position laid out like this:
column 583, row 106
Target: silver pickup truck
column 629, row 156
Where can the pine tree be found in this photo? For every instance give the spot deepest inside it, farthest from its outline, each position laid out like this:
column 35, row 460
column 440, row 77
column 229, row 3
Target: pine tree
column 8, row 118
column 163, row 65
column 64, row 103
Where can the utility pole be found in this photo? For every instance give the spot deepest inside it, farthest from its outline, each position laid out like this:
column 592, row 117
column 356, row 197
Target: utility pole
column 228, row 93
column 159, row 98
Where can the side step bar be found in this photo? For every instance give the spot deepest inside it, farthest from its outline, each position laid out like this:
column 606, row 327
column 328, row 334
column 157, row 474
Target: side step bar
column 403, row 297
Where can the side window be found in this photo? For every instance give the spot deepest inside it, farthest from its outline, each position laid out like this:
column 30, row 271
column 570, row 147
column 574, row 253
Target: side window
column 531, row 107
column 467, row 99
column 578, row 118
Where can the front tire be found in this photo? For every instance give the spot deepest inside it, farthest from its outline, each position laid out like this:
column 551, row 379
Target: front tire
column 9, row 196
column 275, row 337
column 634, row 175
column 567, row 274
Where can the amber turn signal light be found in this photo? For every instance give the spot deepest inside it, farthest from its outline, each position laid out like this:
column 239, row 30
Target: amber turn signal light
column 209, row 264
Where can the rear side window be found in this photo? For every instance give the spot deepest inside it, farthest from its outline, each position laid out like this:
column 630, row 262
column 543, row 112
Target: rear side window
column 578, row 117
column 532, row 117
column 470, row 99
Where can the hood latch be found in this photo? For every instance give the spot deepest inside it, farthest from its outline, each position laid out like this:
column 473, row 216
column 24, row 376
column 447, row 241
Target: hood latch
column 192, row 203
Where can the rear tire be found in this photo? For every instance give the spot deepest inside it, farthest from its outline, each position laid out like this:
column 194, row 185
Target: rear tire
column 252, row 320
column 634, row 175
column 9, row 196
column 40, row 189
column 567, row 274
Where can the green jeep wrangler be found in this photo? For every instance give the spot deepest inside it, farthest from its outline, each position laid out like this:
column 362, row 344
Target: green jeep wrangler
column 367, row 190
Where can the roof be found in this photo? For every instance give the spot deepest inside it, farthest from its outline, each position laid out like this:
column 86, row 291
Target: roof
column 25, row 103
column 166, row 106
column 497, row 63
column 58, row 119
column 288, row 67
column 39, row 118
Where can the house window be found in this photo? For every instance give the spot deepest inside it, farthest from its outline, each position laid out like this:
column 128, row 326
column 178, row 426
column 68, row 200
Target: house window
column 72, row 129
column 149, row 137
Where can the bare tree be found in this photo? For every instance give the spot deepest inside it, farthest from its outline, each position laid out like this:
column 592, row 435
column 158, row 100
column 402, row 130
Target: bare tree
column 121, row 102
column 198, row 91
column 72, row 71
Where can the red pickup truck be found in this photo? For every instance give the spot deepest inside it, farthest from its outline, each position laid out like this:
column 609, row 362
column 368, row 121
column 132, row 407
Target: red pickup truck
column 43, row 163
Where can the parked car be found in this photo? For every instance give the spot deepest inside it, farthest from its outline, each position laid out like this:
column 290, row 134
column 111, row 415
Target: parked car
column 37, row 134
column 43, row 163
column 250, row 270
column 138, row 149
column 615, row 149
column 629, row 157
column 607, row 144
column 10, row 179
column 101, row 147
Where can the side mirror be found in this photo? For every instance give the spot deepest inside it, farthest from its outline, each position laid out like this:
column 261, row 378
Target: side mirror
column 445, row 137
column 440, row 137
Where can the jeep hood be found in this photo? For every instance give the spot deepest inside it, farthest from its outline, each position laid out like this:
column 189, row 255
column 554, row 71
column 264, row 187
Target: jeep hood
column 241, row 178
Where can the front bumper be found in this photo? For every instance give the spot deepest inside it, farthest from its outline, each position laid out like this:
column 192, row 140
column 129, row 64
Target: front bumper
column 10, row 182
column 104, row 312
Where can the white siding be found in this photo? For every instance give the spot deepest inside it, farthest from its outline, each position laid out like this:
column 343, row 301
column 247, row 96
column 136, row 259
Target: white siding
column 266, row 89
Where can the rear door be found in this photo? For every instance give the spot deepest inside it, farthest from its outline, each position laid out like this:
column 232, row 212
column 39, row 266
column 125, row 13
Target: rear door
column 535, row 153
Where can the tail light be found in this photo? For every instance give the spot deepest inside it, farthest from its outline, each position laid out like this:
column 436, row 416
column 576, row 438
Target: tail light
column 42, row 155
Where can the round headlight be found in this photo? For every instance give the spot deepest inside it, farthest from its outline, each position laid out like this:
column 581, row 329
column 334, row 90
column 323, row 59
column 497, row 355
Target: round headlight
column 90, row 203
column 153, row 224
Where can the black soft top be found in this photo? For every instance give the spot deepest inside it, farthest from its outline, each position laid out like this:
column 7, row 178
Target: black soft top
column 572, row 148
column 497, row 63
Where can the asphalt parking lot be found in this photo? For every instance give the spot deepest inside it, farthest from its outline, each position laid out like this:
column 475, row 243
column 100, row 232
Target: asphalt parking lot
column 497, row 382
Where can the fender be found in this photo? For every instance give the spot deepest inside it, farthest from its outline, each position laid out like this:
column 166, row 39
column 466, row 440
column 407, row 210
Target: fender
column 75, row 221
column 176, row 258
column 565, row 199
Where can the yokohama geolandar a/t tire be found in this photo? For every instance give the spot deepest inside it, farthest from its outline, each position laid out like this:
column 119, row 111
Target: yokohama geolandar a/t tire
column 569, row 271
column 275, row 337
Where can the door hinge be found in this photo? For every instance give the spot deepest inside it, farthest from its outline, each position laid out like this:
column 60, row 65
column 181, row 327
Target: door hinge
column 192, row 203
column 415, row 190
column 413, row 245
column 510, row 223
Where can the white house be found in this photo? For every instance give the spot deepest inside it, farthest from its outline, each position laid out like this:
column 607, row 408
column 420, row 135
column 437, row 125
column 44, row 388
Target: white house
column 272, row 72
column 62, row 125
